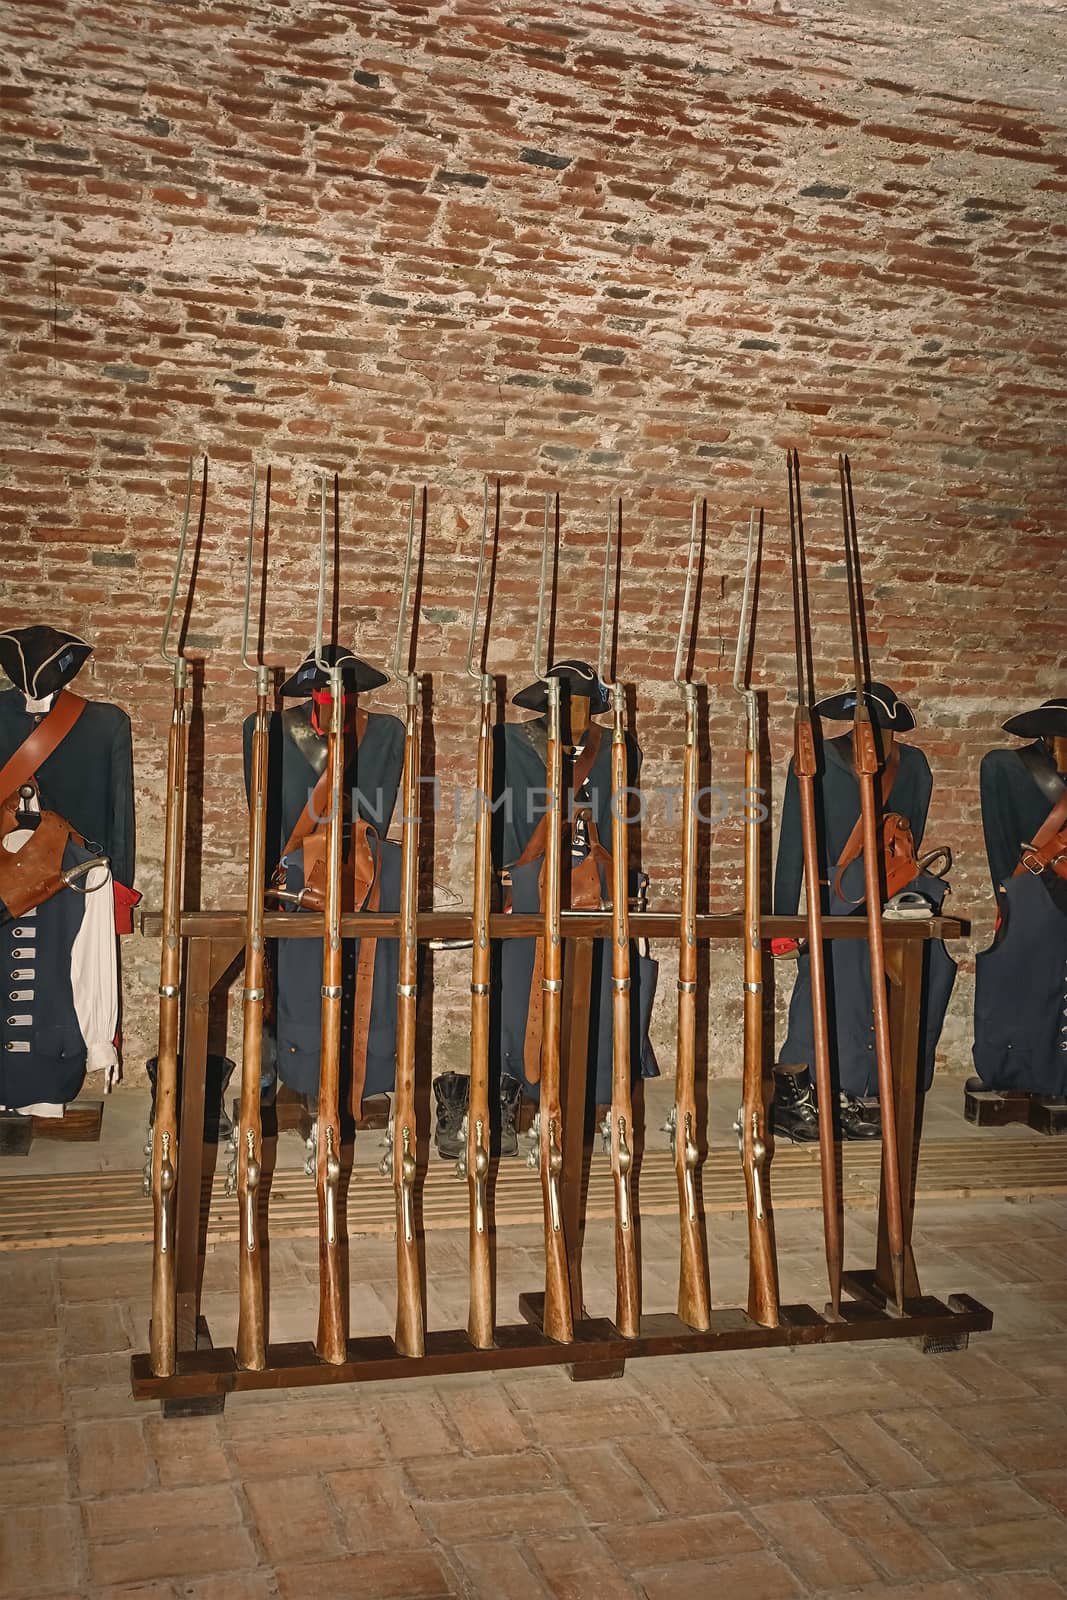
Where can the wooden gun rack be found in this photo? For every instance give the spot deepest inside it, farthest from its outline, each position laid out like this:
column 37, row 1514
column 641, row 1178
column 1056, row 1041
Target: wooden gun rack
column 204, row 1375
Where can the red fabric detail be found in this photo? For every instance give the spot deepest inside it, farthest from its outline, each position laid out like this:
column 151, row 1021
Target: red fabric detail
column 784, row 947
column 125, row 900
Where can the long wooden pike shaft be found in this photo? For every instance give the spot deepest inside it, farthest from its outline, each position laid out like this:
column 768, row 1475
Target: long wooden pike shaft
column 559, row 1313
column 332, row 1340
column 867, row 766
column 805, row 766
column 252, row 1318
column 480, row 1320
column 694, row 1297
column 163, row 1332
column 627, row 1274
column 410, row 1329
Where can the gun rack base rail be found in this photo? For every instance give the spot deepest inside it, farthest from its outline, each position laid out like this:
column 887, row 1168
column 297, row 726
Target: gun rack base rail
column 596, row 1343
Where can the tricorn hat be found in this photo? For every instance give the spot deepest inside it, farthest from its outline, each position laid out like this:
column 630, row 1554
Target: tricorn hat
column 887, row 710
column 1046, row 721
column 357, row 677
column 39, row 659
column 577, row 679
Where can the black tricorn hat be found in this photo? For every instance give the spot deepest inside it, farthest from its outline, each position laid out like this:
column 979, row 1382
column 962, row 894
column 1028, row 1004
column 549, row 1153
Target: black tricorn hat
column 40, row 659
column 887, row 710
column 578, row 679
column 357, row 677
column 1046, row 721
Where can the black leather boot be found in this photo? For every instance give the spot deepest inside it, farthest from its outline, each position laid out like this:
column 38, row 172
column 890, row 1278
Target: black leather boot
column 510, row 1101
column 451, row 1091
column 858, row 1121
column 794, row 1110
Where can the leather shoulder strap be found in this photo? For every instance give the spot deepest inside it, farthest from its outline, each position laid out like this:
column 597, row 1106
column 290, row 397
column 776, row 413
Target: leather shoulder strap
column 1043, row 773
column 854, row 843
column 535, row 845
column 48, row 735
column 311, row 816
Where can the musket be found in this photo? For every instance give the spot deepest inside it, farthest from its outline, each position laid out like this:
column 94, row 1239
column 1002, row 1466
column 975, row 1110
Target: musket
column 558, row 1322
column 627, row 1271
column 410, row 1322
column 480, row 1319
column 752, row 1117
column 252, row 1316
column 867, row 767
column 163, row 1334
column 805, row 766
column 694, row 1295
column 331, row 1343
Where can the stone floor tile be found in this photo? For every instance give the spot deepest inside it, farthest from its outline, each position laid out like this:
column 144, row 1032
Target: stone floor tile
column 708, row 1538
column 1032, row 1542
column 152, row 1553
column 31, row 1392
column 497, row 1570
column 120, row 1516
column 466, row 1478
column 414, row 1426
column 814, row 1547
column 27, row 1483
column 758, row 1576
column 293, row 1516
column 898, row 1548
column 186, row 1450
column 1022, row 1586
column 675, row 1392
column 502, row 1516
column 674, row 1475
column 881, row 1458
column 592, row 1421
column 484, row 1421
column 779, row 1441
column 414, row 1576
column 604, row 1484
column 109, row 1457
column 941, row 1448
column 374, row 1504
column 578, row 1566
column 760, row 1483
column 1048, row 1486
column 92, row 1329
column 39, row 1550
column 965, row 1504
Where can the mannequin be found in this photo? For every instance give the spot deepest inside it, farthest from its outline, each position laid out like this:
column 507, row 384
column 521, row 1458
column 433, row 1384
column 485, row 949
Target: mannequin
column 1023, row 1046
column 59, row 960
column 373, row 766
column 852, row 1039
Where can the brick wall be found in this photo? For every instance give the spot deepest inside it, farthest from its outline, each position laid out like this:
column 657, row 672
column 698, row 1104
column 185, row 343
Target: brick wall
column 635, row 248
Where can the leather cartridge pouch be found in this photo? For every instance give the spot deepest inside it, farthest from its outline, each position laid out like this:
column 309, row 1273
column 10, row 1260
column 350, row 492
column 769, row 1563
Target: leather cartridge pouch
column 901, row 863
column 34, row 872
column 1049, row 845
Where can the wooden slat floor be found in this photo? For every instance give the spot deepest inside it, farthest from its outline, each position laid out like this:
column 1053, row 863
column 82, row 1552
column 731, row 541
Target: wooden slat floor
column 49, row 1211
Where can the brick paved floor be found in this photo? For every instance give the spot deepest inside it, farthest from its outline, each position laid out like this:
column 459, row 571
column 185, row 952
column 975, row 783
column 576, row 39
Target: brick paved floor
column 874, row 1471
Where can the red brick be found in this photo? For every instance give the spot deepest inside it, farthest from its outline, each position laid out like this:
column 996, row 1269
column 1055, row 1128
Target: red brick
column 940, row 1447
column 766, row 1481
column 160, row 1509
column 782, row 1441
column 28, row 1483
column 676, row 1479
column 606, row 1488
column 412, row 1428
column 31, row 1393
column 900, row 1550
column 484, row 1421
column 577, row 1566
column 995, row 1545
column 153, row 1554
column 816, row 1550
column 189, row 1451
column 875, row 1452
column 464, row 1479
column 708, row 1538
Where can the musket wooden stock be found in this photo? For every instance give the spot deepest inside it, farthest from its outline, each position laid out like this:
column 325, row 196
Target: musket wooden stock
column 163, row 1332
column 867, row 767
column 627, row 1274
column 805, row 767
column 558, row 1312
column 252, row 1318
column 694, row 1297
column 480, row 1320
column 410, row 1330
column 332, row 1341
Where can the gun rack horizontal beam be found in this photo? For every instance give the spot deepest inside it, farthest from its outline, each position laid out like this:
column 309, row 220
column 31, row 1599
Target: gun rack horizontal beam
column 575, row 925
column 596, row 1342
